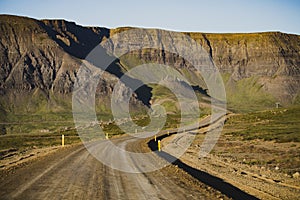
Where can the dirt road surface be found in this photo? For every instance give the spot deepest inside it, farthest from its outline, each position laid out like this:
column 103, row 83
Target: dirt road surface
column 73, row 173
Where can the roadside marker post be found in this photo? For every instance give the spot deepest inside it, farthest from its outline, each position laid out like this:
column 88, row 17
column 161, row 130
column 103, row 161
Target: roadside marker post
column 158, row 145
column 106, row 136
column 62, row 140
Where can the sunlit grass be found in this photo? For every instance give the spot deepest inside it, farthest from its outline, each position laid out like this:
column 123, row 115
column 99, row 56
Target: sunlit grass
column 280, row 125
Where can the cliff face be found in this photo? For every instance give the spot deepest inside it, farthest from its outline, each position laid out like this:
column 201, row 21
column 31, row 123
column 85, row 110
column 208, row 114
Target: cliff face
column 258, row 68
column 40, row 59
column 39, row 63
column 272, row 59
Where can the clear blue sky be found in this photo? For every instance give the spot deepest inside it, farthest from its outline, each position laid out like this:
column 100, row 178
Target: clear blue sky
column 183, row 15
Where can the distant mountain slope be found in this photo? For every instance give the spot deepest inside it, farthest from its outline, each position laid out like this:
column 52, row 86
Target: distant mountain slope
column 40, row 58
column 257, row 65
column 39, row 64
column 258, row 68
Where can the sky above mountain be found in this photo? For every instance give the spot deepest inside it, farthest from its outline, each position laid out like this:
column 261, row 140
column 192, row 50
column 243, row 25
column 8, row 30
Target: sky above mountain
column 188, row 15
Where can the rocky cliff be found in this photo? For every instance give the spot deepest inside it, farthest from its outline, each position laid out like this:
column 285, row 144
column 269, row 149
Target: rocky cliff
column 268, row 61
column 257, row 68
column 40, row 59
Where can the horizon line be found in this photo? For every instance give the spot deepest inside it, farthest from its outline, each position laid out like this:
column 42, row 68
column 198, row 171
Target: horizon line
column 149, row 27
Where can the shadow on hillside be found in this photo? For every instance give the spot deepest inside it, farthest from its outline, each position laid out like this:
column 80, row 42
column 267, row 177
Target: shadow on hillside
column 143, row 92
column 197, row 88
column 86, row 40
column 86, row 44
column 111, row 64
column 208, row 179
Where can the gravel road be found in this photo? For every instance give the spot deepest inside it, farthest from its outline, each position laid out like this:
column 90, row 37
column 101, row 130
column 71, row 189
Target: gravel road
column 73, row 173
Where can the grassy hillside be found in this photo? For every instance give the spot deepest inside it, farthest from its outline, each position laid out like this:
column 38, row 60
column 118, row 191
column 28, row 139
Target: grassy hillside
column 279, row 125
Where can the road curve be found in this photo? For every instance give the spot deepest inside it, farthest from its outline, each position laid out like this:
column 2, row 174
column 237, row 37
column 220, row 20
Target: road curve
column 73, row 173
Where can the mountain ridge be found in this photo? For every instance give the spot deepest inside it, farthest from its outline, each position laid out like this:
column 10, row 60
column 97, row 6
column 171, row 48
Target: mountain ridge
column 40, row 58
